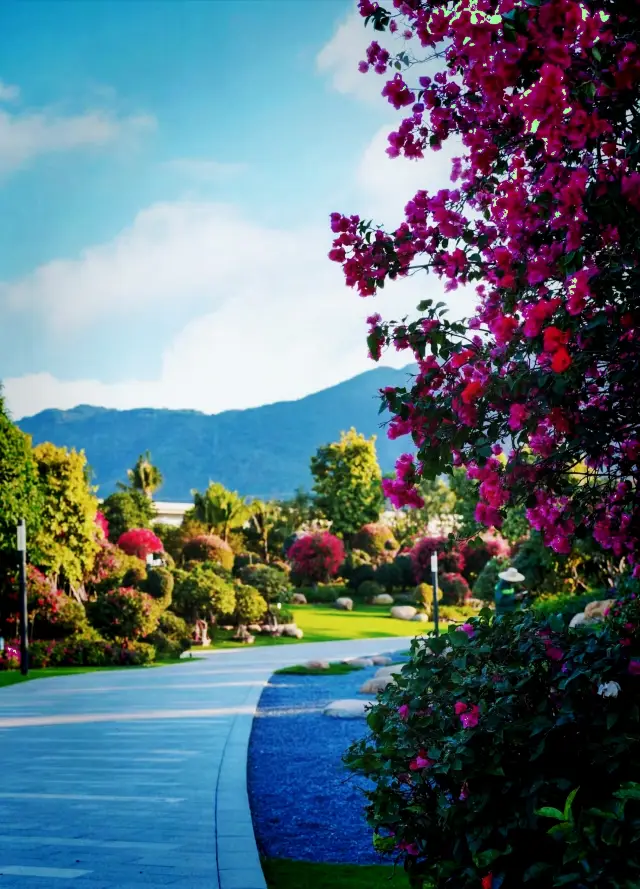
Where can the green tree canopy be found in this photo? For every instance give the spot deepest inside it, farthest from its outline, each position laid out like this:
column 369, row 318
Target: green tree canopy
column 67, row 541
column 267, row 529
column 220, row 510
column 348, row 482
column 127, row 509
column 144, row 476
column 19, row 491
column 439, row 502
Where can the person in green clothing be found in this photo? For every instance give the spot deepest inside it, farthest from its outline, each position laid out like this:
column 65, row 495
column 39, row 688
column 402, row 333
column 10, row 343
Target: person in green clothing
column 509, row 591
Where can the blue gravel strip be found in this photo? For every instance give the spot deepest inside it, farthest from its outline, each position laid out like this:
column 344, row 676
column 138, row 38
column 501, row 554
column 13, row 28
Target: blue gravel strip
column 304, row 802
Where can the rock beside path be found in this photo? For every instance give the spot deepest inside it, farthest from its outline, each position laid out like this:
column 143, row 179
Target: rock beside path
column 359, row 662
column 382, row 599
column 347, row 709
column 376, row 685
column 381, row 660
column 344, row 604
column 403, row 612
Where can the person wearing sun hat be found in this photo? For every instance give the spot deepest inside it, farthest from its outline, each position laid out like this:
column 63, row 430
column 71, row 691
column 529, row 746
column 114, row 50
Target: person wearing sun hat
column 508, row 592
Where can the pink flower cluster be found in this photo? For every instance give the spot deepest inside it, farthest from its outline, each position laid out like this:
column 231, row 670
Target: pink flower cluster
column 469, row 714
column 544, row 189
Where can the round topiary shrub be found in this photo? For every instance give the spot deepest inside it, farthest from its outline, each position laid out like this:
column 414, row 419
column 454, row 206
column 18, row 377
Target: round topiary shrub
column 159, row 584
column 140, row 542
column 484, row 587
column 389, row 576
column 135, row 575
column 316, row 558
column 455, row 589
column 357, row 568
column 520, row 770
column 377, row 541
column 251, row 607
column 202, row 594
column 369, row 589
column 208, row 548
column 479, row 551
column 243, row 560
column 404, row 563
column 271, row 583
column 424, row 597
column 123, row 614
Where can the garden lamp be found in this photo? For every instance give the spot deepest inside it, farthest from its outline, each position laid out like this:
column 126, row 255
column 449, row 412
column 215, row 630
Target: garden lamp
column 21, row 541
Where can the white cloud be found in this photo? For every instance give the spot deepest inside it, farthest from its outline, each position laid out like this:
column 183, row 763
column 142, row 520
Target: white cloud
column 24, row 137
column 205, row 170
column 8, row 92
column 275, row 320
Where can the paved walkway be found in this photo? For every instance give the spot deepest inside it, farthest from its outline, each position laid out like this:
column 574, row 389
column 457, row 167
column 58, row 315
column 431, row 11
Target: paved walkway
column 136, row 779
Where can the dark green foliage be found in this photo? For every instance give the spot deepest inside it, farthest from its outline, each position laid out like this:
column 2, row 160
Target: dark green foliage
column 324, row 593
column 201, row 593
column 368, row 589
column 405, row 563
column 566, row 603
column 485, row 585
column 125, row 510
column 376, row 540
column 19, row 491
column 172, row 539
column 159, row 584
column 389, row 576
column 90, row 653
column 136, row 575
column 357, row 568
column 528, row 771
column 243, row 560
column 455, row 589
column 272, row 583
column 171, row 637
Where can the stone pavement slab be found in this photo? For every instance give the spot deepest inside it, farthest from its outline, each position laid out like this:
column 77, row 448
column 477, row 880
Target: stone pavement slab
column 138, row 779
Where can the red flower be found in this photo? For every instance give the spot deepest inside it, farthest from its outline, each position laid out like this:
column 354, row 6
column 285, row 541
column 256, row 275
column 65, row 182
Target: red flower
column 487, row 881
column 560, row 361
column 554, row 338
column 471, row 391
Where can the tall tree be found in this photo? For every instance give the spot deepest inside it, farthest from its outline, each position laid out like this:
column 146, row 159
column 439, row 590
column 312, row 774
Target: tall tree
column 221, row 510
column 440, row 503
column 348, row 482
column 265, row 519
column 145, row 476
column 67, row 541
column 19, row 491
column 127, row 509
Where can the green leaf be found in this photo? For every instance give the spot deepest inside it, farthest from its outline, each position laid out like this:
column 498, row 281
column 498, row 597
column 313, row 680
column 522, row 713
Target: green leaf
column 550, row 812
column 569, row 803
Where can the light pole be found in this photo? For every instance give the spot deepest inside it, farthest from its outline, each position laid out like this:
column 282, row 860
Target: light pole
column 434, row 574
column 24, row 616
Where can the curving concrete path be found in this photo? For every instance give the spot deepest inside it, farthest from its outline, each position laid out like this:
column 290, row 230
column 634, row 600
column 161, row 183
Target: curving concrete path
column 137, row 779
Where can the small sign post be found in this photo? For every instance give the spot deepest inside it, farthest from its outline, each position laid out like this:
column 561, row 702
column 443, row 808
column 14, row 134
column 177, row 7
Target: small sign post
column 24, row 615
column 434, row 574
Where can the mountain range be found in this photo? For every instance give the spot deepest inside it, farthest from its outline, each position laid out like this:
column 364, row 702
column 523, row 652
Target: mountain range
column 260, row 452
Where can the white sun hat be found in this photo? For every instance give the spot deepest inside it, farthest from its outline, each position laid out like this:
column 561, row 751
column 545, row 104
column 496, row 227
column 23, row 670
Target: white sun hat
column 511, row 575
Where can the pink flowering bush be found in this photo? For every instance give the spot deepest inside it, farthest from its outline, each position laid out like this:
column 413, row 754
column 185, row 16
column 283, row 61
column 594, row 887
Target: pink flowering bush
column 103, row 525
column 455, row 589
column 450, row 559
column 507, row 755
column 377, row 541
column 543, row 218
column 140, row 542
column 481, row 550
column 123, row 614
column 316, row 558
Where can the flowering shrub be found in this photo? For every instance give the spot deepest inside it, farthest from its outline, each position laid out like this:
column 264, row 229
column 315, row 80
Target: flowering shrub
column 507, row 755
column 123, row 613
column 90, row 653
column 140, row 542
column 103, row 525
column 449, row 558
column 10, row 657
column 377, row 541
column 208, row 548
column 545, row 213
column 478, row 551
column 316, row 557
column 455, row 589
column 171, row 637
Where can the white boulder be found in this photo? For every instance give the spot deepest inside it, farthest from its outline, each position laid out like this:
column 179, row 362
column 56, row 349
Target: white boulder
column 292, row 631
column 317, row 665
column 298, row 599
column 347, row 709
column 344, row 604
column 376, row 685
column 382, row 599
column 420, row 617
column 389, row 670
column 381, row 660
column 403, row 612
column 359, row 662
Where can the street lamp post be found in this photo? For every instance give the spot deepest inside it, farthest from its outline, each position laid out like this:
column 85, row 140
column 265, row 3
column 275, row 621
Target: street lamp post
column 24, row 615
column 434, row 574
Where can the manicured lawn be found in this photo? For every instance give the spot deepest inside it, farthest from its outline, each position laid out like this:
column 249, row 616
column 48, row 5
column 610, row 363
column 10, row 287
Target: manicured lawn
column 324, row 623
column 12, row 677
column 335, row 669
column 282, row 873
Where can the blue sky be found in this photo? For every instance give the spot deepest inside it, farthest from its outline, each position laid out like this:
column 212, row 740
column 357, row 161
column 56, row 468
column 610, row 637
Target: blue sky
column 166, row 174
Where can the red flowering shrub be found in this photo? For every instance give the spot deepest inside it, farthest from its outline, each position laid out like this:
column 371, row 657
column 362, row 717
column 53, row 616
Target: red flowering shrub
column 545, row 214
column 455, row 589
column 449, row 558
column 123, row 614
column 377, row 541
column 508, row 753
column 209, row 548
column 316, row 558
column 479, row 551
column 140, row 542
column 83, row 652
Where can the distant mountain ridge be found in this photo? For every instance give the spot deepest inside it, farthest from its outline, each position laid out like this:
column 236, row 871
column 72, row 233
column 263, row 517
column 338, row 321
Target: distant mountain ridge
column 260, row 452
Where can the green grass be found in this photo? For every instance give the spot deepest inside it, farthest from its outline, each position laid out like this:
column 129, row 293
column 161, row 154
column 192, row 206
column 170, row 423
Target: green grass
column 324, row 623
column 335, row 669
column 281, row 873
column 13, row 677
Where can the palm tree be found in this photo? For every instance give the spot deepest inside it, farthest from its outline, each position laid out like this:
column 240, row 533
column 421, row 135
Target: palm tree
column 220, row 510
column 265, row 517
column 145, row 476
